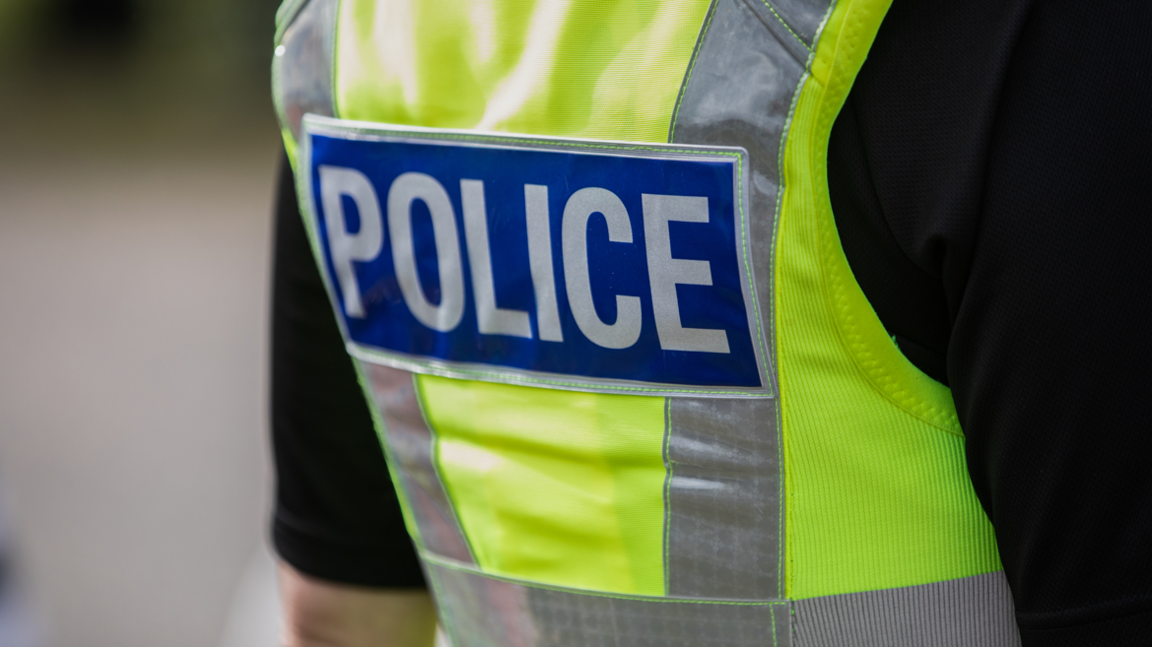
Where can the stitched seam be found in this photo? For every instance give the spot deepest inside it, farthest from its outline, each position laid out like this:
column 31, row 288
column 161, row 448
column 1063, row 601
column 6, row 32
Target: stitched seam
column 434, row 559
column 786, row 26
column 541, row 142
column 847, row 325
column 780, row 413
column 667, row 495
column 434, row 461
column 430, row 368
column 691, row 68
column 822, row 25
column 745, row 244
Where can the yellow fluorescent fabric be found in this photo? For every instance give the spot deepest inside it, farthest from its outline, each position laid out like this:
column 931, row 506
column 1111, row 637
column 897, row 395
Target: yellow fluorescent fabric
column 579, row 68
column 558, row 487
column 878, row 494
column 552, row 486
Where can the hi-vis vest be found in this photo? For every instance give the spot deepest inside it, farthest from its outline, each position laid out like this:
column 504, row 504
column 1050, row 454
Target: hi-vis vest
column 583, row 256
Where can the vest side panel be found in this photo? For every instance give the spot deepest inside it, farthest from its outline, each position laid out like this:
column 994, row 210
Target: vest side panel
column 878, row 494
column 975, row 610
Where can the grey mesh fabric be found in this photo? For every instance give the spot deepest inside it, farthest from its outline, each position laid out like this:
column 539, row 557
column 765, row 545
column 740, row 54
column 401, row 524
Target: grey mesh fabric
column 958, row 613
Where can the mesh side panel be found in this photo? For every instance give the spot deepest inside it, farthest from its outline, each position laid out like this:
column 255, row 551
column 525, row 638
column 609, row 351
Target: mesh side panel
column 958, row 613
column 480, row 611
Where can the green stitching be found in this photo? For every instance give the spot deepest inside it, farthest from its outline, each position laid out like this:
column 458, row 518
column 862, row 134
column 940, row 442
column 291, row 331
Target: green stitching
column 794, row 35
column 667, row 493
column 443, row 563
column 773, row 617
column 541, row 142
column 823, row 24
column 780, row 581
column 431, row 368
column 435, row 464
column 748, row 267
column 691, row 68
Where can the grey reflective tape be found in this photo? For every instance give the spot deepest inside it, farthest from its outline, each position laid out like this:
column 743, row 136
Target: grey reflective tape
column 724, row 493
column 411, row 444
column 958, row 613
column 483, row 611
column 802, row 19
column 302, row 67
column 724, row 496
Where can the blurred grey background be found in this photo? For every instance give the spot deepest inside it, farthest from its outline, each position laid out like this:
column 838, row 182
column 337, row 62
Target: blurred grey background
column 137, row 155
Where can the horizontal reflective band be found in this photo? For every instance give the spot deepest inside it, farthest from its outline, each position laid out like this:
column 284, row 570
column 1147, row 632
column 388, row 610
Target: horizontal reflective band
column 483, row 611
column 569, row 264
column 958, row 613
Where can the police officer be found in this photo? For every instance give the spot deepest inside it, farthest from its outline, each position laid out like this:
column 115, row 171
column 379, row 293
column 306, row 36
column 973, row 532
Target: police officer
column 681, row 324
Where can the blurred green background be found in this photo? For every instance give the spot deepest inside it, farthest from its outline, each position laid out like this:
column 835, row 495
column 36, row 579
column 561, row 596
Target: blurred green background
column 155, row 72
column 138, row 151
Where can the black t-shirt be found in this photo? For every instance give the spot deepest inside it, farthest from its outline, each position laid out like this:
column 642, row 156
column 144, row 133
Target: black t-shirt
column 989, row 177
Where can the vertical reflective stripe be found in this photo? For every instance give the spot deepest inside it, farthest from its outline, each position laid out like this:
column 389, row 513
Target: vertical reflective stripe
column 302, row 67
column 966, row 612
column 799, row 20
column 481, row 611
column 724, row 533
column 412, row 445
column 725, row 525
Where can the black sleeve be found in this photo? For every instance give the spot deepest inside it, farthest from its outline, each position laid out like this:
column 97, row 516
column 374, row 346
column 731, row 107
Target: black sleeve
column 990, row 180
column 336, row 516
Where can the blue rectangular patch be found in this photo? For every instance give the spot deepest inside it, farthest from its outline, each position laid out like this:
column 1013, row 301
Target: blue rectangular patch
column 573, row 264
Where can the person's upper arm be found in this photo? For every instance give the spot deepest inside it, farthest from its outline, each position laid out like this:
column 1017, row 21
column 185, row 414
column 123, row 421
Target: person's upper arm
column 336, row 513
column 1051, row 349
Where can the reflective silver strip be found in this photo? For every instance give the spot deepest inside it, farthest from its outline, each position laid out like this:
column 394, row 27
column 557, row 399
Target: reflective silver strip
column 483, row 611
column 724, row 500
column 411, row 443
column 724, row 496
column 302, row 67
column 968, row 612
column 801, row 19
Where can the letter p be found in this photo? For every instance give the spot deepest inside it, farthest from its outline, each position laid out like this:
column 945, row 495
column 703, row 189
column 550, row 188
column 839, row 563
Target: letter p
column 335, row 183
